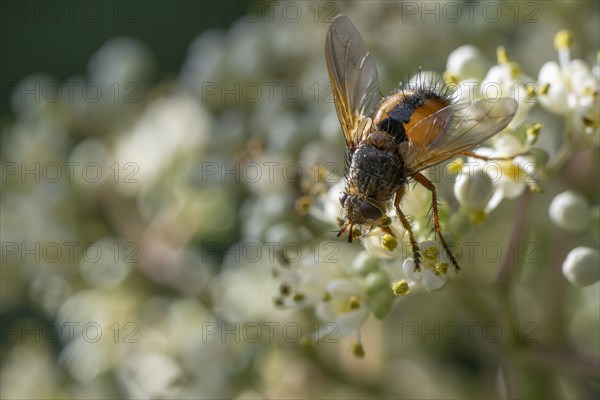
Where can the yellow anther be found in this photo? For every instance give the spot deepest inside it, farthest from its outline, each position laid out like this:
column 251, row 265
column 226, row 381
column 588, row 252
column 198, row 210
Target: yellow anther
column 389, row 242
column 563, row 39
column 502, row 55
column 358, row 350
column 515, row 69
column 533, row 132
column 298, row 297
column 354, row 302
column 588, row 91
column 536, row 187
column 441, row 268
column 302, row 205
column 431, row 253
column 400, row 288
column 450, row 78
column 477, row 217
column 456, row 166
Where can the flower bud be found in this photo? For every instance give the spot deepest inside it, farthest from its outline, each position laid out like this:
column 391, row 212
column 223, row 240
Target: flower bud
column 570, row 211
column 377, row 282
column 364, row 264
column 582, row 266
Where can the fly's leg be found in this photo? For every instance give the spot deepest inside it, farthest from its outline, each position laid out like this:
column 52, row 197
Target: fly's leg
column 408, row 228
column 484, row 158
column 510, row 158
column 343, row 229
column 436, row 220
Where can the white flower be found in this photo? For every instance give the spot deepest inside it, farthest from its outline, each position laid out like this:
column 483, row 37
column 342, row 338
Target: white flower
column 345, row 305
column 150, row 375
column 326, row 206
column 570, row 89
column 310, row 282
column 203, row 63
column 85, row 360
column 171, row 127
column 382, row 245
column 570, row 211
column 336, row 294
column 473, row 189
column 416, row 204
column 582, row 266
column 507, row 178
column 465, row 62
column 244, row 287
column 121, row 60
column 435, row 266
column 344, row 292
column 364, row 263
column 507, row 80
column 101, row 267
column 92, row 152
column 31, row 100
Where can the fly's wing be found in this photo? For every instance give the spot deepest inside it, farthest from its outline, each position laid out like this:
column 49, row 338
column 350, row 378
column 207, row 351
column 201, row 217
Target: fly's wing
column 454, row 129
column 353, row 77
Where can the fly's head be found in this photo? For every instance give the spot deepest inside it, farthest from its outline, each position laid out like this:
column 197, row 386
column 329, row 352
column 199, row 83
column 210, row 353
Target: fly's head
column 359, row 212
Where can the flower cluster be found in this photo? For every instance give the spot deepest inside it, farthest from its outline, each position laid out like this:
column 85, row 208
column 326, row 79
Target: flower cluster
column 176, row 238
column 501, row 169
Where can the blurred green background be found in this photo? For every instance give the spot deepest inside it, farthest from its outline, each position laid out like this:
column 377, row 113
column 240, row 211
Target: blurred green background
column 62, row 37
column 174, row 276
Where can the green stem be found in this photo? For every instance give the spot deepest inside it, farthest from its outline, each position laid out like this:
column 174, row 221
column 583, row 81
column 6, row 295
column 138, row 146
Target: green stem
column 510, row 259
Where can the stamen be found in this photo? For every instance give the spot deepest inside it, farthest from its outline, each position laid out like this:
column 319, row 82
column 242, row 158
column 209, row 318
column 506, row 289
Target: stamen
column 562, row 42
column 502, row 55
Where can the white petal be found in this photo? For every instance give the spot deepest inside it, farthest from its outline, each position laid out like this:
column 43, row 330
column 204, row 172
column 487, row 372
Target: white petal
column 466, row 62
column 408, row 269
column 497, row 197
column 581, row 77
column 549, row 73
column 556, row 99
column 507, row 145
column 343, row 287
column 349, row 321
column 511, row 189
column 431, row 281
column 473, row 190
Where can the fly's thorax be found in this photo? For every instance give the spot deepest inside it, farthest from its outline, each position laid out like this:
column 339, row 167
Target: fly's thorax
column 376, row 173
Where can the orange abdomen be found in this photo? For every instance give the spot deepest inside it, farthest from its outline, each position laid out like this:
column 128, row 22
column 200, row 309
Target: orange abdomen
column 399, row 115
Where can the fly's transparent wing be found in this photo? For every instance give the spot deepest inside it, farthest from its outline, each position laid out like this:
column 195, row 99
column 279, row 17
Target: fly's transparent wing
column 454, row 129
column 353, row 77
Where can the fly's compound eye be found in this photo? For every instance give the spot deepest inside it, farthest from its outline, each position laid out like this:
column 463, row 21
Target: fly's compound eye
column 369, row 211
column 343, row 197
